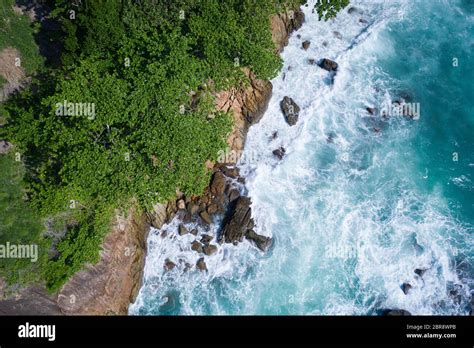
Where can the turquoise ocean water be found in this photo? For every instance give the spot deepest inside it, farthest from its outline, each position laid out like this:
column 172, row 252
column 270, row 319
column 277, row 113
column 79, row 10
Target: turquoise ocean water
column 358, row 202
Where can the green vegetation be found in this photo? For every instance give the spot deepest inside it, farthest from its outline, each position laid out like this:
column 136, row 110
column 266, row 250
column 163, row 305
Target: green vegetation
column 150, row 69
column 18, row 223
column 328, row 9
column 16, row 31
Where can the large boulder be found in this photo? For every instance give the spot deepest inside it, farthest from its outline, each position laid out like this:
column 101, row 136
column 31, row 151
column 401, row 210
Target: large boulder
column 290, row 110
column 218, row 184
column 328, row 64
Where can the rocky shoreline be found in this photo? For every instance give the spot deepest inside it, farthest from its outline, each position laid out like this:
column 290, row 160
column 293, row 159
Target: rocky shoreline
column 113, row 283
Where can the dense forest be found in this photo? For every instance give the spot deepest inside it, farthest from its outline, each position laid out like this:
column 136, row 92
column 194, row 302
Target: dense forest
column 124, row 116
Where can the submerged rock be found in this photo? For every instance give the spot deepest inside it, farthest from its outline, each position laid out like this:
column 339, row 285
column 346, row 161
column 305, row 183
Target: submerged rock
column 290, row 110
column 328, row 64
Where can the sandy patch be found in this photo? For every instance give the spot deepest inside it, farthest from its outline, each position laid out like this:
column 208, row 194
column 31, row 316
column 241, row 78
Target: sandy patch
column 10, row 72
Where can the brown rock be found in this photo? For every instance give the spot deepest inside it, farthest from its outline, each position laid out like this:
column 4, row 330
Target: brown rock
column 328, row 64
column 196, row 246
column 209, row 249
column 182, row 230
column 169, row 265
column 231, row 172
column 218, row 184
column 283, row 24
column 109, row 286
column 206, row 239
column 205, row 217
column 213, row 208
column 239, row 223
column 193, row 208
column 306, row 44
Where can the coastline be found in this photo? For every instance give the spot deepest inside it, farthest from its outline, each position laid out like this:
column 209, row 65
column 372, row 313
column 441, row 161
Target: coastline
column 108, row 287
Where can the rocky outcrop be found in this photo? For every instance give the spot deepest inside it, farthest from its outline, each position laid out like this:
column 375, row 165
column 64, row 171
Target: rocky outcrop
column 262, row 242
column 109, row 286
column 290, row 110
column 248, row 103
column 283, row 25
column 240, row 222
